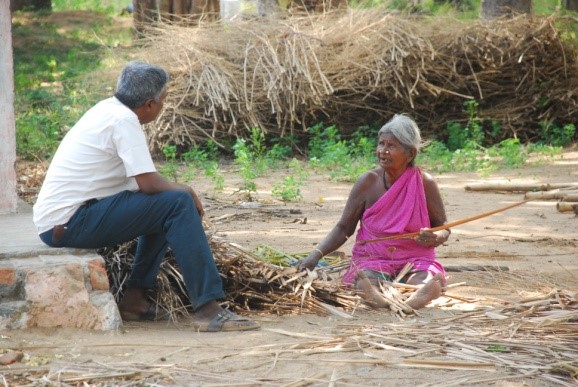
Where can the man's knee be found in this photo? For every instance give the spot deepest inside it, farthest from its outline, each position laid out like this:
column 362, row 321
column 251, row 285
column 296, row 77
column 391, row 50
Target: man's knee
column 181, row 199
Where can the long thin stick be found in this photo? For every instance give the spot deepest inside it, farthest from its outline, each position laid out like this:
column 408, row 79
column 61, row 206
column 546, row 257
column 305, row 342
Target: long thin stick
column 447, row 225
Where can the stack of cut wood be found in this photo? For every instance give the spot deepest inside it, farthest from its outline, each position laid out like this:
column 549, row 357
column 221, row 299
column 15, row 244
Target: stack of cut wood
column 565, row 193
column 358, row 67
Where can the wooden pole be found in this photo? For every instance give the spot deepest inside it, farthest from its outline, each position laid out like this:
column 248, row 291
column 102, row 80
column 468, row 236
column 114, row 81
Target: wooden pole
column 567, row 207
column 554, row 194
column 570, row 198
column 519, row 187
column 445, row 226
column 8, row 196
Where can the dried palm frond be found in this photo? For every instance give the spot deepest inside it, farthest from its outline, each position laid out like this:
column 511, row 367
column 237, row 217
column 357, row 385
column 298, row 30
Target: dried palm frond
column 251, row 283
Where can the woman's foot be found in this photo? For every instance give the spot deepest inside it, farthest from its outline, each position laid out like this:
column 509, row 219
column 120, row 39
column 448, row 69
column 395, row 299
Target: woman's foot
column 428, row 292
column 212, row 318
column 369, row 292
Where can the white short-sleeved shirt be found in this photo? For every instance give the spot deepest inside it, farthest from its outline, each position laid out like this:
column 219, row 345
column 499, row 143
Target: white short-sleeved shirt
column 98, row 157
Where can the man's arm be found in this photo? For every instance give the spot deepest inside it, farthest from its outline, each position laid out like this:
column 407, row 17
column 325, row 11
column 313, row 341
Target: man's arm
column 152, row 183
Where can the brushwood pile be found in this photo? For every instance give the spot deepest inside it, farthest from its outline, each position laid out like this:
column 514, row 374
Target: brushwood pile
column 358, row 67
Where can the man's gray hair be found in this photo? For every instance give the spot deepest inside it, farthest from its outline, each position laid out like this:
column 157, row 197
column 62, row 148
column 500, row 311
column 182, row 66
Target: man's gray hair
column 139, row 82
column 405, row 130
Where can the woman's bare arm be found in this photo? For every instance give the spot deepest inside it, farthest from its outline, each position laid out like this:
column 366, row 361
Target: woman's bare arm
column 437, row 214
column 346, row 225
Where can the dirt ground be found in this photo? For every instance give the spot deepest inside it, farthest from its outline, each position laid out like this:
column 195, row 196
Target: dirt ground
column 527, row 251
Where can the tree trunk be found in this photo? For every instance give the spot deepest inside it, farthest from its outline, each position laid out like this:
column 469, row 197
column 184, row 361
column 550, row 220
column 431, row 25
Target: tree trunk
column 492, row 9
column 187, row 11
column 145, row 12
column 8, row 197
column 205, row 10
column 18, row 5
column 571, row 5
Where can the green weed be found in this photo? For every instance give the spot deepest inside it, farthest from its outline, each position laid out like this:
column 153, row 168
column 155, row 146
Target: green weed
column 245, row 159
column 212, row 171
column 289, row 189
column 509, row 153
column 469, row 137
column 104, row 6
column 512, row 153
column 205, row 157
column 171, row 167
column 281, row 150
column 254, row 158
column 199, row 155
column 345, row 160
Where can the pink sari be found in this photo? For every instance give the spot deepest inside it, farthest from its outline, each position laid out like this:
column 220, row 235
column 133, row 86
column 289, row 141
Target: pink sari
column 402, row 209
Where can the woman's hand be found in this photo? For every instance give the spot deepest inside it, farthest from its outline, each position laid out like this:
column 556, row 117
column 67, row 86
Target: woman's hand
column 432, row 239
column 310, row 262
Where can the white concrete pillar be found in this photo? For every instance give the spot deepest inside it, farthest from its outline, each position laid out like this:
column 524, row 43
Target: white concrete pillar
column 8, row 196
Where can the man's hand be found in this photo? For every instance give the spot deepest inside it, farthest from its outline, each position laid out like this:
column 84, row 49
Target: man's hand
column 152, row 183
column 198, row 203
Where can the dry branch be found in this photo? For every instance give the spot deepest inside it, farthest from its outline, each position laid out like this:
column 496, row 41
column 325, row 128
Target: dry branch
column 518, row 187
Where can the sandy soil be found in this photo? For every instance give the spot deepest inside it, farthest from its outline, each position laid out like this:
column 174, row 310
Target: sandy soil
column 527, row 251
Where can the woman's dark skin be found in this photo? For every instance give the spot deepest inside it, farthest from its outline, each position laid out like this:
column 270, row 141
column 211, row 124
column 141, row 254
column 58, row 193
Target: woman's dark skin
column 393, row 159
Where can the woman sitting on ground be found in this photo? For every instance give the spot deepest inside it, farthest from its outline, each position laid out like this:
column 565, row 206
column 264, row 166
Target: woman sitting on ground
column 396, row 198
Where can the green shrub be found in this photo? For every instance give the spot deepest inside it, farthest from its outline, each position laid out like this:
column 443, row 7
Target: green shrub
column 555, row 135
column 513, row 154
column 469, row 137
column 170, row 168
column 199, row 155
column 345, row 160
column 289, row 189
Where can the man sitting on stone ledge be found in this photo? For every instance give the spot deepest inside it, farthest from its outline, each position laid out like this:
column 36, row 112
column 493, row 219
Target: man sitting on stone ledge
column 102, row 189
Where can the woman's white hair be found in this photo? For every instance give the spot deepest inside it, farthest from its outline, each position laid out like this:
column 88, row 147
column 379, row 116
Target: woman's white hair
column 405, row 130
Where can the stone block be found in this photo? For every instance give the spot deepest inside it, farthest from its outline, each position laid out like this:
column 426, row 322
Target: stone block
column 59, row 291
column 97, row 275
column 10, row 282
column 7, row 276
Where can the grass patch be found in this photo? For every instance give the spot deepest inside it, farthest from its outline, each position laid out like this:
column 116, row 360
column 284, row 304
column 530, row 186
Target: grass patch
column 53, row 55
